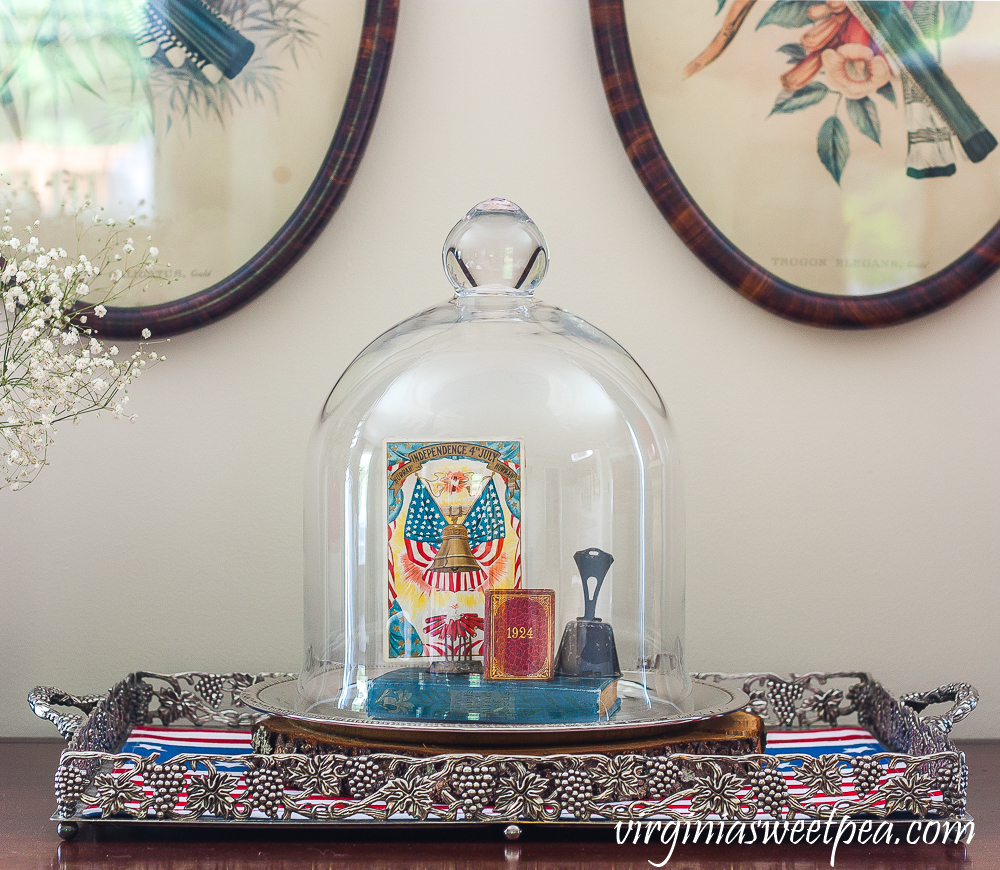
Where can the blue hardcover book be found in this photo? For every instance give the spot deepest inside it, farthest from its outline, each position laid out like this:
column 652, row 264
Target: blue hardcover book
column 415, row 694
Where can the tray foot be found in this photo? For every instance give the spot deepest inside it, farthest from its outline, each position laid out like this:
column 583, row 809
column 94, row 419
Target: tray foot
column 67, row 830
column 512, row 832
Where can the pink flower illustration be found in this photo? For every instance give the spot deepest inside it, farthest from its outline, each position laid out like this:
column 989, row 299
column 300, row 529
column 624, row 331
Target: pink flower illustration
column 825, row 31
column 835, row 26
column 803, row 72
column 855, row 69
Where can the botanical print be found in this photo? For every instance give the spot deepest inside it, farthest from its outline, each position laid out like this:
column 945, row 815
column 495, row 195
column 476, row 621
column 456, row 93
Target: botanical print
column 176, row 113
column 143, row 60
column 906, row 204
column 454, row 532
column 856, row 51
column 239, row 57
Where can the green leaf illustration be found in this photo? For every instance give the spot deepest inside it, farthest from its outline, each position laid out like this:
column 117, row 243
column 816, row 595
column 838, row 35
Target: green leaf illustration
column 864, row 115
column 787, row 13
column 9, row 31
column 10, row 110
column 721, row 4
column 793, row 101
column 938, row 20
column 126, row 50
column 926, row 14
column 887, row 93
column 61, row 66
column 795, row 50
column 833, row 147
column 956, row 15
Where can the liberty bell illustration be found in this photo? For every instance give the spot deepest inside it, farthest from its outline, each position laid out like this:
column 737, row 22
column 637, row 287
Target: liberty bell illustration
column 455, row 553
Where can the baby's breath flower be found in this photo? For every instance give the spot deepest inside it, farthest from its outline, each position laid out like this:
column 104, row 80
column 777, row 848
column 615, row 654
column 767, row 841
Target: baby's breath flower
column 49, row 375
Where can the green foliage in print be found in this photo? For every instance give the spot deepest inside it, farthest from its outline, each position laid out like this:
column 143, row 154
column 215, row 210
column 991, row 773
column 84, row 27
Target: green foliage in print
column 864, row 116
column 833, row 146
column 793, row 101
column 787, row 13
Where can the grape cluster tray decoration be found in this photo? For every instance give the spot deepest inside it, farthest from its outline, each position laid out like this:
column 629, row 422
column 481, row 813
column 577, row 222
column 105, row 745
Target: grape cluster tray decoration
column 921, row 776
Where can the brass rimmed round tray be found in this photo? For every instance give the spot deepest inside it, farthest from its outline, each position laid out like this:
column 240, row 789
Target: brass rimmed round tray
column 634, row 720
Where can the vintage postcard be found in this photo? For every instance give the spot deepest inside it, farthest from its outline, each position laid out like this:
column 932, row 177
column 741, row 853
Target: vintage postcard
column 454, row 532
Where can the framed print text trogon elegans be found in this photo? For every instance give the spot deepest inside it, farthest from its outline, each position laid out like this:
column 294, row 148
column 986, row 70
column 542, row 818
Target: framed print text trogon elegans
column 835, row 162
column 229, row 129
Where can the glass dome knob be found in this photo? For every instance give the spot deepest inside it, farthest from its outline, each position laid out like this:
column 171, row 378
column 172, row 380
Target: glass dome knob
column 495, row 248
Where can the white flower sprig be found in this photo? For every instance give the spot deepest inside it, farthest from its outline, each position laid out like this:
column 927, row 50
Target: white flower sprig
column 53, row 368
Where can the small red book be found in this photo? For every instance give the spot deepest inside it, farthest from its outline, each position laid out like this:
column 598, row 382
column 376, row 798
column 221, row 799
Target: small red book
column 520, row 634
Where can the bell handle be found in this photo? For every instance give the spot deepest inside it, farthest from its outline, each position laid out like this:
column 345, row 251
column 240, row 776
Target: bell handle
column 595, row 563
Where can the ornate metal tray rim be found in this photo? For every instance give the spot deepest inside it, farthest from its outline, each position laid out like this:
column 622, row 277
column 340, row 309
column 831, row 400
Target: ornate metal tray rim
column 261, row 697
column 594, row 788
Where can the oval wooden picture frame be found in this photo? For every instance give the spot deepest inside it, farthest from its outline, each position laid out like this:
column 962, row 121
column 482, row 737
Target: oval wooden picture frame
column 725, row 259
column 308, row 219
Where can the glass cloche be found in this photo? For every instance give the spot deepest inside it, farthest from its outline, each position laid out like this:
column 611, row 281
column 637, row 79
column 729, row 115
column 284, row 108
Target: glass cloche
column 493, row 513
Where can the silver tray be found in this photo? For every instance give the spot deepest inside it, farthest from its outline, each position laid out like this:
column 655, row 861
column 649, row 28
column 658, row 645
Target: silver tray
column 96, row 782
column 276, row 697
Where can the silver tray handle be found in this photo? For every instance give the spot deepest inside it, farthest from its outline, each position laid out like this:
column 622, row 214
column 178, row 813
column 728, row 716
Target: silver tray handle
column 42, row 698
column 964, row 696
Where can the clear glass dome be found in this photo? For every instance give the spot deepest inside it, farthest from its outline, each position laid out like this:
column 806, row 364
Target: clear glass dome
column 471, row 471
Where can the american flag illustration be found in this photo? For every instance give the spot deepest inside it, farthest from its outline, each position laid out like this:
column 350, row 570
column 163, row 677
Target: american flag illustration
column 423, row 533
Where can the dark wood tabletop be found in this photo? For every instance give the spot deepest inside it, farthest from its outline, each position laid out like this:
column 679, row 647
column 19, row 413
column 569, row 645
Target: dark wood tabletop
column 28, row 838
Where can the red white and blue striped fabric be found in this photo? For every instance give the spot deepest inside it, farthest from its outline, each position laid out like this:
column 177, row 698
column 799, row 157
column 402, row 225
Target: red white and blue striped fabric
column 823, row 741
column 166, row 743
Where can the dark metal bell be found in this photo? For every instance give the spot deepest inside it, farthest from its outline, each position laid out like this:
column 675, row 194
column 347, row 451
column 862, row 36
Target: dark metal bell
column 588, row 643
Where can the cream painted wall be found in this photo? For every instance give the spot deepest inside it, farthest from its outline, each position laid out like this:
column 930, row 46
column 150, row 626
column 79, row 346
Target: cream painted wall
column 842, row 487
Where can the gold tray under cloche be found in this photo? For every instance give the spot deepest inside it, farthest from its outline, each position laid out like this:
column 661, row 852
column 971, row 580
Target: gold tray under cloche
column 634, row 719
